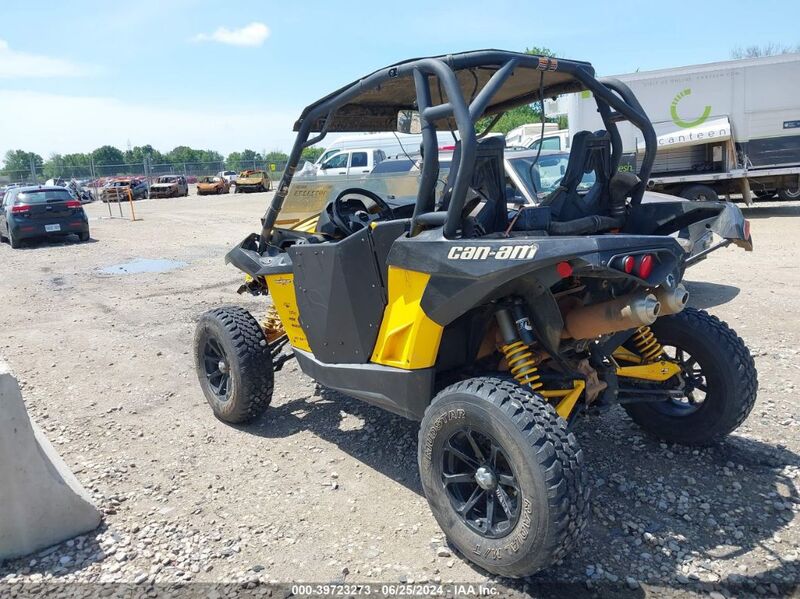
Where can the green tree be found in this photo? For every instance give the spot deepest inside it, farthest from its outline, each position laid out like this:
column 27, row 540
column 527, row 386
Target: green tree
column 17, row 163
column 311, row 154
column 137, row 155
column 53, row 166
column 520, row 115
column 106, row 155
column 276, row 156
column 234, row 161
column 182, row 154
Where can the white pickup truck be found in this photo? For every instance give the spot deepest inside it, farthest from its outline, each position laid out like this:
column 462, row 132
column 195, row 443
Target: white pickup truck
column 351, row 163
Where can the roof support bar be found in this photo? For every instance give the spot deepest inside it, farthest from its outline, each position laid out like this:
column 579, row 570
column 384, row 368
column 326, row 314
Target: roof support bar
column 466, row 132
column 481, row 101
column 426, row 194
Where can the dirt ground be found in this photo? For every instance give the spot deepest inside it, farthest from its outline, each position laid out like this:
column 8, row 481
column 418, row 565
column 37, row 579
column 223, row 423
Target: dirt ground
column 325, row 488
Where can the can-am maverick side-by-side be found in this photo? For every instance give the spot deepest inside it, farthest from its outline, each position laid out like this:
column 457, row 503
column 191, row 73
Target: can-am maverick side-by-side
column 496, row 327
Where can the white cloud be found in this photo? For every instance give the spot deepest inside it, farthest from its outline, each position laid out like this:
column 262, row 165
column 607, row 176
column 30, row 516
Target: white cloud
column 253, row 34
column 15, row 64
column 66, row 124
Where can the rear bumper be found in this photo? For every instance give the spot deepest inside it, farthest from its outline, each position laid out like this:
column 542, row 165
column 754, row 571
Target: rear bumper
column 29, row 230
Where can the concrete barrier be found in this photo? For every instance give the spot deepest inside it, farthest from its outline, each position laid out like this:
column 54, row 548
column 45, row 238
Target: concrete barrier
column 41, row 501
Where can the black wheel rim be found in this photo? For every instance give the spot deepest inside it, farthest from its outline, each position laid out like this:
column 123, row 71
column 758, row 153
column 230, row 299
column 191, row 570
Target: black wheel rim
column 693, row 381
column 217, row 369
column 480, row 483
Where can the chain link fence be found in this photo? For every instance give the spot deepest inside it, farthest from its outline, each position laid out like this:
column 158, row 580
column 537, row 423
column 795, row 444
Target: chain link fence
column 98, row 173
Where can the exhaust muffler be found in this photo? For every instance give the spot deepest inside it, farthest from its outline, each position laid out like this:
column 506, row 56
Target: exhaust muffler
column 672, row 300
column 627, row 312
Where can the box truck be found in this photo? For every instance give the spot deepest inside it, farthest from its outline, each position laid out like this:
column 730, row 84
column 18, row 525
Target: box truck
column 723, row 128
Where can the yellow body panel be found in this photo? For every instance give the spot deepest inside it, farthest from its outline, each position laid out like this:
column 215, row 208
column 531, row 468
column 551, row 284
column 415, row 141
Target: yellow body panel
column 407, row 338
column 654, row 371
column 281, row 288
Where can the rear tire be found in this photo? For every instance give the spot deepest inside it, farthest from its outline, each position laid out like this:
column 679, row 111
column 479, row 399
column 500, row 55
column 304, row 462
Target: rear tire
column 789, row 194
column 83, row 237
column 13, row 241
column 534, row 521
column 730, row 375
column 233, row 364
column 699, row 193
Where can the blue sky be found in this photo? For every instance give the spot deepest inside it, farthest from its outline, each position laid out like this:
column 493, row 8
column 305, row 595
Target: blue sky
column 75, row 75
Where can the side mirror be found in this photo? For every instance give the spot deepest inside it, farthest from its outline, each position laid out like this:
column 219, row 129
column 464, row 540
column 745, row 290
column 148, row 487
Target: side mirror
column 408, row 122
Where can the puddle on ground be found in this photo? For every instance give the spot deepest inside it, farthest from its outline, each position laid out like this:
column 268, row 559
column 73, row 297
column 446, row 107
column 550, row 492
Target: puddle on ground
column 140, row 265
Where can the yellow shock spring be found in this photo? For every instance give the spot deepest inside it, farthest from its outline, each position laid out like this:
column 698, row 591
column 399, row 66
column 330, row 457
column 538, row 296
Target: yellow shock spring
column 273, row 328
column 522, row 364
column 647, row 345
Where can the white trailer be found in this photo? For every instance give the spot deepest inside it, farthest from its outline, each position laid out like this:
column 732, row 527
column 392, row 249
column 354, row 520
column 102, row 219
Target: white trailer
column 723, row 128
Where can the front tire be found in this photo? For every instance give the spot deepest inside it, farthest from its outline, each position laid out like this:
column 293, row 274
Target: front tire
column 503, row 477
column 233, row 364
column 719, row 366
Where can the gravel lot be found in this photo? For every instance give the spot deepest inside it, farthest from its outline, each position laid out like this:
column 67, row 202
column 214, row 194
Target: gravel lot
column 325, row 488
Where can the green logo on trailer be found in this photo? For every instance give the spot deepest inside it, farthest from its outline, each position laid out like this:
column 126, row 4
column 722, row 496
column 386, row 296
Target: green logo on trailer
column 673, row 111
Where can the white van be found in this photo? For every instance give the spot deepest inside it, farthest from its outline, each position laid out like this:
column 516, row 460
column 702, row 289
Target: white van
column 351, row 163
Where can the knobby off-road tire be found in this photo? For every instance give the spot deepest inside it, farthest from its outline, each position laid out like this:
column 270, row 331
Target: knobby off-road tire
column 730, row 374
column 232, row 335
column 544, row 460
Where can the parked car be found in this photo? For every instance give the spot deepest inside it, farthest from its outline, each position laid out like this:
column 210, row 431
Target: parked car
column 40, row 211
column 248, row 181
column 229, row 176
column 169, row 186
column 208, row 185
column 117, row 189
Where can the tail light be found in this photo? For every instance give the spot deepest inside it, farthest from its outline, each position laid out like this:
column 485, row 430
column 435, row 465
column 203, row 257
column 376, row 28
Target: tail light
column 746, row 229
column 20, row 209
column 646, row 264
column 564, row 269
column 627, row 264
column 73, row 204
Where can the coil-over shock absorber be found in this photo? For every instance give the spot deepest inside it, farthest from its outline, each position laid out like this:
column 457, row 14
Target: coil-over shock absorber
column 515, row 329
column 272, row 326
column 647, row 345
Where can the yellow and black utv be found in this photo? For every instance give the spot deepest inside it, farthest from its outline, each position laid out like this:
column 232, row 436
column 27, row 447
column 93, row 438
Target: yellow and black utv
column 494, row 324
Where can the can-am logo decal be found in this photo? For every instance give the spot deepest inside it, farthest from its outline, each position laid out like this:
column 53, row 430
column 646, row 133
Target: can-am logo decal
column 484, row 252
column 673, row 111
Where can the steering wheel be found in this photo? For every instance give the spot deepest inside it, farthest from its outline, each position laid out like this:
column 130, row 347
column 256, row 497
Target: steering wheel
column 349, row 220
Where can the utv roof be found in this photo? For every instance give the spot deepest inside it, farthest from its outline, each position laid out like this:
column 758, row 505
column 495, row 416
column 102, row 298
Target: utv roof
column 375, row 107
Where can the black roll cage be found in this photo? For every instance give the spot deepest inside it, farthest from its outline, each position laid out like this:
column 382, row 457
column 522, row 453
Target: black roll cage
column 615, row 102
